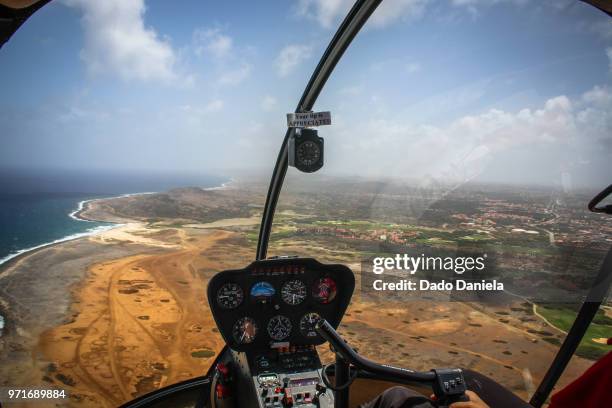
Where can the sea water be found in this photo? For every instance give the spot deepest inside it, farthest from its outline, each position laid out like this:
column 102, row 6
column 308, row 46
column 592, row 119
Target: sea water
column 29, row 221
column 37, row 209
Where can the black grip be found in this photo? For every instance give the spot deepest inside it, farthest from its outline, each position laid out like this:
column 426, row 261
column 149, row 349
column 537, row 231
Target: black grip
column 457, row 398
column 446, row 402
column 449, row 386
column 326, row 331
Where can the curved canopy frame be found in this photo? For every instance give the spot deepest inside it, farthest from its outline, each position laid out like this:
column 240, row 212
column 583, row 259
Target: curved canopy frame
column 355, row 19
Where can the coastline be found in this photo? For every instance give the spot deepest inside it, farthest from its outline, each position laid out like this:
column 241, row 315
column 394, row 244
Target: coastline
column 15, row 258
column 11, row 259
column 223, row 186
column 82, row 206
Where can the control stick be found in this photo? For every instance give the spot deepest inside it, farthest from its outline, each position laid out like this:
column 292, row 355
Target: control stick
column 448, row 384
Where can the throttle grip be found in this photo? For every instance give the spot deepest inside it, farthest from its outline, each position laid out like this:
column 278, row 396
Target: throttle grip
column 452, row 399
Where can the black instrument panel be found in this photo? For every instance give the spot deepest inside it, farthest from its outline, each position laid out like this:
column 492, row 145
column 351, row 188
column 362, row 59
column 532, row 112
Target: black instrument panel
column 277, row 302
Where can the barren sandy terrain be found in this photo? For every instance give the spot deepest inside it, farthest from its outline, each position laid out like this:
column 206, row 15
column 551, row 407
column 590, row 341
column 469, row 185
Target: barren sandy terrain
column 502, row 341
column 139, row 320
column 123, row 313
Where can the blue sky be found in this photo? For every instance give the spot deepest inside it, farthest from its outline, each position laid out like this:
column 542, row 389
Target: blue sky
column 496, row 90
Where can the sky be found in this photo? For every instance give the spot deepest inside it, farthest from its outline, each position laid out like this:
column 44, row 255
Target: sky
column 490, row 90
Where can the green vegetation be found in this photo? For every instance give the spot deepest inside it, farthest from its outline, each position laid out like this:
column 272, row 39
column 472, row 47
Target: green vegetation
column 205, row 353
column 562, row 316
column 252, row 236
column 601, row 318
column 552, row 340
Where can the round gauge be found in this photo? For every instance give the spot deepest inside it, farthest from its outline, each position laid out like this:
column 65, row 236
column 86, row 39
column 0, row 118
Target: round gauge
column 245, row 330
column 308, row 153
column 279, row 327
column 307, row 324
column 230, row 296
column 262, row 292
column 293, row 292
column 324, row 290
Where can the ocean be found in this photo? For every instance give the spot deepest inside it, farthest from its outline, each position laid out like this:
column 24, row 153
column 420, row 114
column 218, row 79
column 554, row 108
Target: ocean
column 28, row 221
column 37, row 209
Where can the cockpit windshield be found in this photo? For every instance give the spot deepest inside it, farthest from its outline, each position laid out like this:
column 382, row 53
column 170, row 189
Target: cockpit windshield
column 449, row 191
column 465, row 144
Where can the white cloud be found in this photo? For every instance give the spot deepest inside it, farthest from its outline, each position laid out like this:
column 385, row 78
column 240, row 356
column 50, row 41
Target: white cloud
column 213, row 106
column 398, row 10
column 595, row 115
column 551, row 138
column 290, row 57
column 329, row 12
column 325, row 12
column 213, row 42
column 474, row 6
column 602, row 27
column 352, row 90
column 85, row 115
column 485, row 2
column 598, row 96
column 413, row 67
column 229, row 63
column 117, row 41
column 268, row 103
column 498, row 129
column 235, row 76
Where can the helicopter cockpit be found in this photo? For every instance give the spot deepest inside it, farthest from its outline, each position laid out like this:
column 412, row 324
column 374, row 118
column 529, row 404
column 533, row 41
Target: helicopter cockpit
column 280, row 317
column 267, row 314
column 271, row 315
column 274, row 313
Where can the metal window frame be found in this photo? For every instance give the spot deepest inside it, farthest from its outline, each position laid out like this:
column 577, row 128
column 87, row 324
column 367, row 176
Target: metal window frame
column 353, row 22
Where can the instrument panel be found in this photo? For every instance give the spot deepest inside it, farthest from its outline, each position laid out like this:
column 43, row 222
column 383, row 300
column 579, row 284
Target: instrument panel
column 277, row 302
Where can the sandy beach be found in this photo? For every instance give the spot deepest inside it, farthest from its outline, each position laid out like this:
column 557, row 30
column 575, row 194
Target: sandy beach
column 116, row 315
column 112, row 315
column 36, row 294
column 139, row 320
